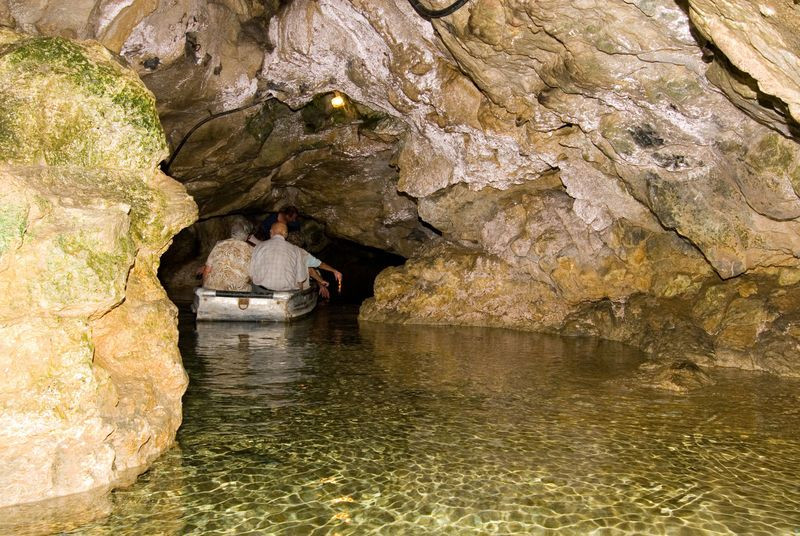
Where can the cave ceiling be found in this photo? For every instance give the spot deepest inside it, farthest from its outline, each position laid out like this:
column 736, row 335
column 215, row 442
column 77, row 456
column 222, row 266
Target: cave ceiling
column 612, row 95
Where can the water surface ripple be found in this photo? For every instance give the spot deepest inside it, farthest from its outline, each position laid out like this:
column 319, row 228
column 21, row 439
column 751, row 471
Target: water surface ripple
column 328, row 427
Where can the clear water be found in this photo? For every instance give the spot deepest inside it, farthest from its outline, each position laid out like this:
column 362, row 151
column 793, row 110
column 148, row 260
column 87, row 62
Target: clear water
column 328, row 427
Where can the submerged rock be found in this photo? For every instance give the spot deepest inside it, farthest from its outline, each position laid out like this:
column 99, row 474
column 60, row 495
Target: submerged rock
column 678, row 376
column 88, row 341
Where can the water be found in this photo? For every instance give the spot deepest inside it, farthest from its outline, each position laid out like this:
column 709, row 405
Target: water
column 328, row 427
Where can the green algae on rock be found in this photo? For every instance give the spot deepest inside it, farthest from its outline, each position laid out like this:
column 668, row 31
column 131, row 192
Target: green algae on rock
column 13, row 222
column 79, row 108
column 88, row 340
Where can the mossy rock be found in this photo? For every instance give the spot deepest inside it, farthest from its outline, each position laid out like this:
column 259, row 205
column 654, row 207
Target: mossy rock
column 64, row 103
column 88, row 275
column 147, row 205
column 13, row 222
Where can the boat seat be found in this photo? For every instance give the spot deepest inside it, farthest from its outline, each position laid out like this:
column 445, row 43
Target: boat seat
column 245, row 294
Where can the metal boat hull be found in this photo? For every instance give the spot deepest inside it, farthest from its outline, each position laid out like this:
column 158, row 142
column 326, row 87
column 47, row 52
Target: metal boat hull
column 253, row 307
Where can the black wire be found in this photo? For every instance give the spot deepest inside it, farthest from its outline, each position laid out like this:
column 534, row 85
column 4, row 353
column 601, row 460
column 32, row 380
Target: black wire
column 165, row 167
column 428, row 14
column 421, row 10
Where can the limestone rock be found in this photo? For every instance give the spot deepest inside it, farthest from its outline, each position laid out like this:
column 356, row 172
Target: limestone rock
column 678, row 376
column 748, row 322
column 336, row 166
column 70, row 138
column 195, row 55
column 92, row 376
column 656, row 150
column 759, row 38
column 462, row 287
column 394, row 65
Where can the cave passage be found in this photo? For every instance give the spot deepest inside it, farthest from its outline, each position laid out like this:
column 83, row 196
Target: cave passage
column 359, row 264
column 613, row 170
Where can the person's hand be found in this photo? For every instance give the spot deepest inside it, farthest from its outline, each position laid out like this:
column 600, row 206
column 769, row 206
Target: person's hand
column 338, row 275
column 324, row 292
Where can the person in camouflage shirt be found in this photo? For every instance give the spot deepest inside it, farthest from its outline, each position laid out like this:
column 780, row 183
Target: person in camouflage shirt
column 228, row 264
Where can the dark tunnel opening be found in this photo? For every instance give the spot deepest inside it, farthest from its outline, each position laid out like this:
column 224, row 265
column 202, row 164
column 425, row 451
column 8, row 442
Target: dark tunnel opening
column 359, row 264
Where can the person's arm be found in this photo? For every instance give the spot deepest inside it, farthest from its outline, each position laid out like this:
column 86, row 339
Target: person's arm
column 336, row 273
column 252, row 240
column 323, row 285
column 202, row 272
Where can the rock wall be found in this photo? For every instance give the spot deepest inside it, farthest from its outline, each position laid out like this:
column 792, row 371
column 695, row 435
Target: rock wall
column 92, row 378
column 203, row 58
column 584, row 163
column 758, row 64
column 627, row 169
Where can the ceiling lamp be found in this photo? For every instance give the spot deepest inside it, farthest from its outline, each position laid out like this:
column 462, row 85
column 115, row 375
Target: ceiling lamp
column 337, row 101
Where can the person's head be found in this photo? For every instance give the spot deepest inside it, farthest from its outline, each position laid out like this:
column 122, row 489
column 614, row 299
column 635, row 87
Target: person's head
column 240, row 229
column 290, row 213
column 279, row 228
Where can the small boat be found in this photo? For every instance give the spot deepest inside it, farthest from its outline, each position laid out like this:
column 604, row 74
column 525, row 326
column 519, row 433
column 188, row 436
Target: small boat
column 269, row 306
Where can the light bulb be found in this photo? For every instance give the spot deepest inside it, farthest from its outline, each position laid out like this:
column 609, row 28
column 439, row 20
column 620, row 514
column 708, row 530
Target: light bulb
column 337, row 101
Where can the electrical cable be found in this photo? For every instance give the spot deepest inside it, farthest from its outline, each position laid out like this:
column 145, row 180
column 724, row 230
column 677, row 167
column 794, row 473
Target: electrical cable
column 165, row 167
column 428, row 14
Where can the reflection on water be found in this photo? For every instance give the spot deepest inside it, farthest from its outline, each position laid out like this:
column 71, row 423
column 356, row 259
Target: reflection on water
column 249, row 359
column 322, row 427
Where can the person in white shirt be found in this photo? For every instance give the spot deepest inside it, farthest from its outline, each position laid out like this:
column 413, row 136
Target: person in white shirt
column 279, row 265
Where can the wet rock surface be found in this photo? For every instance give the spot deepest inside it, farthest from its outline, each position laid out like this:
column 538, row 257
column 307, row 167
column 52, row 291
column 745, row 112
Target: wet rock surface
column 205, row 60
column 92, row 378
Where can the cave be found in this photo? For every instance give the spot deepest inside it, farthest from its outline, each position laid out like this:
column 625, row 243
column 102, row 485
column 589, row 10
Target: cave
column 569, row 234
column 360, row 264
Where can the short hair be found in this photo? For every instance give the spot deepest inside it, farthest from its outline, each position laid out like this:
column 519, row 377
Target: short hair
column 240, row 229
column 290, row 210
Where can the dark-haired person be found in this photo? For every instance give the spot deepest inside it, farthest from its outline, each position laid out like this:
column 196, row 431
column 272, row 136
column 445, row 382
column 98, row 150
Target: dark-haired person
column 288, row 215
